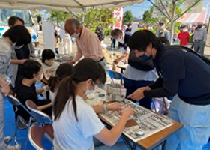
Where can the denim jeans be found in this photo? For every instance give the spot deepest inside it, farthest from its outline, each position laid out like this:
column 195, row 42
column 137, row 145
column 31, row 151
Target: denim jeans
column 196, row 121
column 133, row 85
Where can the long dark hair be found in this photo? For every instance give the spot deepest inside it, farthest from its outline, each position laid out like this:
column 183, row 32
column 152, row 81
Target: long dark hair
column 84, row 70
column 63, row 71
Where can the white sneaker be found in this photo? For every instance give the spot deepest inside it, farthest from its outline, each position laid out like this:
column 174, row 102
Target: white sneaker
column 12, row 147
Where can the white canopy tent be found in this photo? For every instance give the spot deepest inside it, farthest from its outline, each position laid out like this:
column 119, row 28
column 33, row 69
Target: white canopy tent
column 65, row 5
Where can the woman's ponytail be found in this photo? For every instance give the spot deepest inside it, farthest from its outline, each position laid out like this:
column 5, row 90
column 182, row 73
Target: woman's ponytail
column 67, row 89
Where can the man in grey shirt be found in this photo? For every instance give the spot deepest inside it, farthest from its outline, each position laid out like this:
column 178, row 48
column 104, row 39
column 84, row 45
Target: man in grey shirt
column 199, row 39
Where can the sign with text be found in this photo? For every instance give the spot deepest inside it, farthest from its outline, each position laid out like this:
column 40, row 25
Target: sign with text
column 118, row 14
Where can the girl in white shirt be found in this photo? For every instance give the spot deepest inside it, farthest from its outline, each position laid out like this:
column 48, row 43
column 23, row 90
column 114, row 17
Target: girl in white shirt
column 75, row 122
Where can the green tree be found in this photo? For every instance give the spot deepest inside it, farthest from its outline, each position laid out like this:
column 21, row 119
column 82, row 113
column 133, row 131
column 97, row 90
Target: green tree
column 171, row 11
column 94, row 17
column 128, row 17
column 58, row 16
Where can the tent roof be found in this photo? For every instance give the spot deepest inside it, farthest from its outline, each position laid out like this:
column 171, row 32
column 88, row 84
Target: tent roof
column 65, row 5
column 192, row 18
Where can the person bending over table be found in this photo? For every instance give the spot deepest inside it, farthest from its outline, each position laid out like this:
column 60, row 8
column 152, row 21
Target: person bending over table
column 20, row 53
column 139, row 73
column 186, row 74
column 9, row 39
column 87, row 42
column 75, row 122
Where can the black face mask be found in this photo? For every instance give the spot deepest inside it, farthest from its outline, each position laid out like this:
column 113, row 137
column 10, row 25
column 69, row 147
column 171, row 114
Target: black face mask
column 199, row 26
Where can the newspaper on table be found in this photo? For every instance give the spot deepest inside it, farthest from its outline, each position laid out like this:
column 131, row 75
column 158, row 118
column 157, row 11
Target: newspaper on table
column 148, row 122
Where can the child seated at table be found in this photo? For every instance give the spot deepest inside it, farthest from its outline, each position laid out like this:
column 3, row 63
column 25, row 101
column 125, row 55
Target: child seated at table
column 26, row 90
column 49, row 65
column 75, row 122
column 63, row 71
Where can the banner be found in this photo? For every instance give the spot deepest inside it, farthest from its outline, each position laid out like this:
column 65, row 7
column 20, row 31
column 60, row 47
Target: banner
column 118, row 14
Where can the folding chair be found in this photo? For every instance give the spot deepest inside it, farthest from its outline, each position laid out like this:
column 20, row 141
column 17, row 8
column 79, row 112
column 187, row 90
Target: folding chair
column 20, row 122
column 115, row 75
column 41, row 119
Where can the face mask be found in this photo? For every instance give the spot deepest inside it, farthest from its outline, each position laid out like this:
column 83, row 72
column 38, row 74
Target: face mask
column 74, row 35
column 145, row 57
column 49, row 63
column 185, row 30
column 199, row 26
column 90, row 91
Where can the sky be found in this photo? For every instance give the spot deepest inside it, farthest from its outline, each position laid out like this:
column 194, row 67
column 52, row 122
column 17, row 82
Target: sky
column 139, row 9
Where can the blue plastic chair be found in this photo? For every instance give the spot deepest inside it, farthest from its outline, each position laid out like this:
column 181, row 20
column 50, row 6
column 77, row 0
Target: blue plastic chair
column 115, row 75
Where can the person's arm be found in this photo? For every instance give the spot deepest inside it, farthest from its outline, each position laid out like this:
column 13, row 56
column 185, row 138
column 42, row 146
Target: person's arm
column 124, row 56
column 5, row 88
column 205, row 36
column 169, row 89
column 179, row 36
column 45, row 106
column 188, row 38
column 14, row 61
column 157, row 84
column 194, row 36
column 110, row 137
column 41, row 90
column 78, row 53
column 111, row 106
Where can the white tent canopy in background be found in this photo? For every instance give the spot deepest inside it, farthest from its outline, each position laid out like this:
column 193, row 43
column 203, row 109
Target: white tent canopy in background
column 65, row 5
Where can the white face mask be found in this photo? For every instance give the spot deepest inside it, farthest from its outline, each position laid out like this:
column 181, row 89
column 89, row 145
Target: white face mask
column 185, row 30
column 74, row 35
column 90, row 91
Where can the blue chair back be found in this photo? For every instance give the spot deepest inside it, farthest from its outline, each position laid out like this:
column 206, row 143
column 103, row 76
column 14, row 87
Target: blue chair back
column 115, row 75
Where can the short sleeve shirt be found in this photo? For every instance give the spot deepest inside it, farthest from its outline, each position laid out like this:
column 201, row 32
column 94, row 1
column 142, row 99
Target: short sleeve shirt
column 70, row 134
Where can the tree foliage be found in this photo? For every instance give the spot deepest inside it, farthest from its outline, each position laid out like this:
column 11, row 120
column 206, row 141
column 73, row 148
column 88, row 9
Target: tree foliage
column 169, row 11
column 92, row 17
column 128, row 16
column 58, row 16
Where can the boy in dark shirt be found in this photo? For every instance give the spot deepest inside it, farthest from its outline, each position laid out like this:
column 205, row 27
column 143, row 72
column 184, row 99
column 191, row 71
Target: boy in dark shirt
column 184, row 74
column 26, row 90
